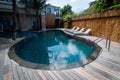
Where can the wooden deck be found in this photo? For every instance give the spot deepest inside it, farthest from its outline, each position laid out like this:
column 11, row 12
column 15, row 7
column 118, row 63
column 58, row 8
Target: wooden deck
column 105, row 67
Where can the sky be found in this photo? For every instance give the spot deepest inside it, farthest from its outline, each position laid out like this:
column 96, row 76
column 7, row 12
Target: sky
column 77, row 5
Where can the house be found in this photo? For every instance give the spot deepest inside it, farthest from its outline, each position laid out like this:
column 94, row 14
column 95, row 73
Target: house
column 54, row 10
column 26, row 20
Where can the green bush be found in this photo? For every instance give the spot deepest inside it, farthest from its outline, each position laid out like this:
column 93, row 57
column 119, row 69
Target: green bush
column 115, row 6
column 87, row 11
column 101, row 5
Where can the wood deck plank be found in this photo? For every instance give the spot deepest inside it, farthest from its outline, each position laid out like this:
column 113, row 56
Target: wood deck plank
column 41, row 75
column 52, row 75
column 36, row 75
column 68, row 75
column 6, row 59
column 20, row 73
column 15, row 77
column 30, row 73
column 78, row 75
column 7, row 72
column 5, row 77
column 101, row 67
column 1, row 64
column 58, row 75
column 47, row 75
column 73, row 75
column 63, row 75
column 9, row 66
column 105, row 67
column 10, row 71
column 85, row 74
column 103, row 73
column 95, row 74
column 27, row 76
column 109, row 64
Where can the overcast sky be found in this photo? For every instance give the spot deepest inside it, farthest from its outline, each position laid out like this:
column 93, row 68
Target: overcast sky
column 77, row 5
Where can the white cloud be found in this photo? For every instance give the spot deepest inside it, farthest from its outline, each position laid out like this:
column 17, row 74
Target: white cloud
column 73, row 0
column 92, row 0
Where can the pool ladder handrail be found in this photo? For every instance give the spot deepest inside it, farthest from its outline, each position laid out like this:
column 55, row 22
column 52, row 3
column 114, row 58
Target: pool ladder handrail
column 108, row 41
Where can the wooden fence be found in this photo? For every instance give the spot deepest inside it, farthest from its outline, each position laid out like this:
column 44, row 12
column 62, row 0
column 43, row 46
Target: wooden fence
column 104, row 23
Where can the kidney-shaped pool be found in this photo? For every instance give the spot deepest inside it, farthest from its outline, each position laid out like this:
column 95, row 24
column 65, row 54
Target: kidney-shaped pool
column 54, row 50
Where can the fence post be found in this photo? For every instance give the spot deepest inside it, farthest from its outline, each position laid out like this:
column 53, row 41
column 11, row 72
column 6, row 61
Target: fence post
column 109, row 44
column 106, row 41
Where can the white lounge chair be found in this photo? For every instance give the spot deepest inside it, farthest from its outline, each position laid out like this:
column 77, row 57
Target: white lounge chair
column 83, row 33
column 73, row 28
column 76, row 29
column 81, row 30
column 70, row 29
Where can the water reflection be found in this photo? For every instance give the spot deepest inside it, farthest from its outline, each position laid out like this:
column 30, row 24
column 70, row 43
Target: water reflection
column 55, row 48
column 72, row 48
column 66, row 51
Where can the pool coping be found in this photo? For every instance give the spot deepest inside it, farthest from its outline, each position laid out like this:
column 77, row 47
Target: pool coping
column 13, row 56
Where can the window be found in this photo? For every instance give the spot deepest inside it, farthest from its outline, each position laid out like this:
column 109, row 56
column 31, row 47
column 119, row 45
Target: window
column 56, row 11
column 48, row 10
column 9, row 0
column 5, row 22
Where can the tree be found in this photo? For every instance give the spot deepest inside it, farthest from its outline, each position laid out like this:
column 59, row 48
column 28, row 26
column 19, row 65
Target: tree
column 116, row 2
column 67, row 14
column 38, row 5
column 14, row 19
column 27, row 3
column 66, row 10
column 35, row 5
column 67, row 18
column 92, row 4
column 102, row 5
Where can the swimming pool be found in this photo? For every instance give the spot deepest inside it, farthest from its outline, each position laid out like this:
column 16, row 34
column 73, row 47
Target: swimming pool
column 53, row 49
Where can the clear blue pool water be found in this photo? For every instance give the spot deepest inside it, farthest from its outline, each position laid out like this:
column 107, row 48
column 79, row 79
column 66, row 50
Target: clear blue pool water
column 53, row 47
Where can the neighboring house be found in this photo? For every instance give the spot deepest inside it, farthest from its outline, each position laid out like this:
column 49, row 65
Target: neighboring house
column 5, row 15
column 50, row 9
column 26, row 20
